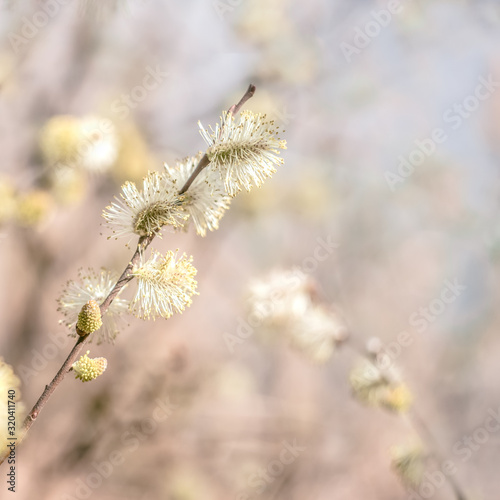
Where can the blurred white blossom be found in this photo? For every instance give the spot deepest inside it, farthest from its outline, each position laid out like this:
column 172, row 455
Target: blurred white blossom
column 89, row 143
column 98, row 148
column 279, row 296
column 316, row 333
column 282, row 304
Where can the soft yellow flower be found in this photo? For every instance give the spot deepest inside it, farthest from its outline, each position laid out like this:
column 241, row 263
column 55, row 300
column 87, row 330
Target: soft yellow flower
column 372, row 387
column 206, row 200
column 33, row 208
column 409, row 463
column 87, row 369
column 165, row 285
column 397, row 398
column 243, row 150
column 89, row 143
column 145, row 212
column 60, row 140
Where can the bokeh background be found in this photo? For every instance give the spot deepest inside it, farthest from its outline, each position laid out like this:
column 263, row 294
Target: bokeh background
column 348, row 118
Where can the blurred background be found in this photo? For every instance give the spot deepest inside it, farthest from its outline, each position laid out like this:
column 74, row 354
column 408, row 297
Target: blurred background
column 392, row 114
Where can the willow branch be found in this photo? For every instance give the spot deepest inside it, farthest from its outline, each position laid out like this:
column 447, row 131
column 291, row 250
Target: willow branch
column 126, row 277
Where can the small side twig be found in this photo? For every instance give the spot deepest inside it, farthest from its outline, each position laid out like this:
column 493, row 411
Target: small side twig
column 235, row 108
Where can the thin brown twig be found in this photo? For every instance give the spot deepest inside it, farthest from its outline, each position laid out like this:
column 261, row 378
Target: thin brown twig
column 234, row 109
column 126, row 277
column 201, row 165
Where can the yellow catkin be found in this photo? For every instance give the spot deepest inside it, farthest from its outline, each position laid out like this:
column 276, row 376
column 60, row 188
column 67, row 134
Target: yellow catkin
column 87, row 369
column 89, row 319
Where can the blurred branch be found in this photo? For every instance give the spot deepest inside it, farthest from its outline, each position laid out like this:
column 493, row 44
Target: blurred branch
column 415, row 421
column 421, row 428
